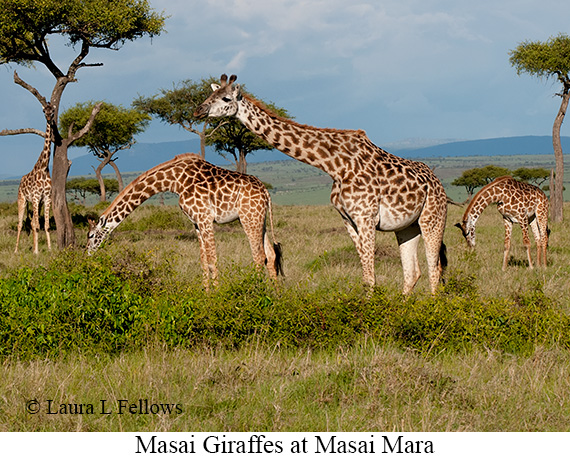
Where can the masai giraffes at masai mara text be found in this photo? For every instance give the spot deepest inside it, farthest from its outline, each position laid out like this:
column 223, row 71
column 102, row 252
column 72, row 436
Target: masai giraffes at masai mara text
column 518, row 202
column 36, row 186
column 372, row 189
column 207, row 194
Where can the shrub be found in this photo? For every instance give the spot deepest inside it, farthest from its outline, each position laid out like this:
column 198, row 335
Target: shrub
column 125, row 300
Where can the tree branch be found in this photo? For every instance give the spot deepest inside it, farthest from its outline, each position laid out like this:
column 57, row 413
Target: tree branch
column 31, row 89
column 88, row 125
column 7, row 132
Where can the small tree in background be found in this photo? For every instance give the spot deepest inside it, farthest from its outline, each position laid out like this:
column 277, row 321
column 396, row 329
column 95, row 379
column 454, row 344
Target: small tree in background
column 176, row 106
column 478, row 177
column 536, row 176
column 545, row 60
column 80, row 187
column 113, row 130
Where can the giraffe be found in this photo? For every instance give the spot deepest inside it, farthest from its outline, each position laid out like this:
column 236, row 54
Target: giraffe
column 207, row 194
column 518, row 202
column 36, row 186
column 372, row 189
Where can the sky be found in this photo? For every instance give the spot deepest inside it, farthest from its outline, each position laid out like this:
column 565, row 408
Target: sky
column 398, row 69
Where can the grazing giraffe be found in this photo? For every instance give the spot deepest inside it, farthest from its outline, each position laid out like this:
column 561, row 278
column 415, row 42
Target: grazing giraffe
column 372, row 189
column 207, row 194
column 518, row 202
column 36, row 186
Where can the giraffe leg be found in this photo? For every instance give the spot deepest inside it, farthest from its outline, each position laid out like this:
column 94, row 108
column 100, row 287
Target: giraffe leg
column 47, row 205
column 408, row 240
column 432, row 228
column 526, row 240
column 508, row 233
column 21, row 212
column 254, row 230
column 540, row 229
column 36, row 223
column 208, row 258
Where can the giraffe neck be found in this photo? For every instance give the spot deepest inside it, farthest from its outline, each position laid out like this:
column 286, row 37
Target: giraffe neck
column 487, row 195
column 156, row 180
column 43, row 159
column 307, row 144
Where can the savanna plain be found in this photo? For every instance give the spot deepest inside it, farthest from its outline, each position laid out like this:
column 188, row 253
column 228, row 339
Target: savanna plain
column 132, row 326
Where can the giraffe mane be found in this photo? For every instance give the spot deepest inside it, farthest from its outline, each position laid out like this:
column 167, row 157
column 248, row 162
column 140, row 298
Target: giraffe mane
column 262, row 106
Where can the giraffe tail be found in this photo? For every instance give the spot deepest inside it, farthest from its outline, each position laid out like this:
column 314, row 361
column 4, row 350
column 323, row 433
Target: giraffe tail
column 443, row 257
column 277, row 249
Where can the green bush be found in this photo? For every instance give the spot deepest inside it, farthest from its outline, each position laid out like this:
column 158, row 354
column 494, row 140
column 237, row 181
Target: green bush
column 126, row 300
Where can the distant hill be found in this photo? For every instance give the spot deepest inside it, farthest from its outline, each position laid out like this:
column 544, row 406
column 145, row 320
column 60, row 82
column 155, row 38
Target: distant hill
column 143, row 156
column 519, row 145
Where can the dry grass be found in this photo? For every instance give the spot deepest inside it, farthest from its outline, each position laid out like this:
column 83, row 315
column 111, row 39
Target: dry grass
column 364, row 388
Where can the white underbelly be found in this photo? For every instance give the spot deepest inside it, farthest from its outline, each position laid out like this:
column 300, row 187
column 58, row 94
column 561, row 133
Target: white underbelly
column 390, row 220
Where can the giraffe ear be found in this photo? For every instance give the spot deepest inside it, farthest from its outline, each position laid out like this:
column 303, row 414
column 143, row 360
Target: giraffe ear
column 215, row 87
column 237, row 92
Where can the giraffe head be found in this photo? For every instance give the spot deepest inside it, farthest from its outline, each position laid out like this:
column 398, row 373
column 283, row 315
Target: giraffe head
column 49, row 112
column 224, row 102
column 98, row 232
column 467, row 228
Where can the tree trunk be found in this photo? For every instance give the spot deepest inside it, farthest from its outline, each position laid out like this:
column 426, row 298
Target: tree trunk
column 117, row 174
column 63, row 222
column 99, row 175
column 241, row 163
column 557, row 193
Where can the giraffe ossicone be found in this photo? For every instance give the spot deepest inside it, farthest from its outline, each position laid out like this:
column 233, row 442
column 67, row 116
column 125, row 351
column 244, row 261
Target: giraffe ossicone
column 372, row 189
column 36, row 186
column 519, row 203
column 207, row 194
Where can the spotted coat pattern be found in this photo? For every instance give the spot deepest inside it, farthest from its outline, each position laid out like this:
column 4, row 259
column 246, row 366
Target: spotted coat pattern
column 518, row 202
column 207, row 194
column 36, row 186
column 372, row 189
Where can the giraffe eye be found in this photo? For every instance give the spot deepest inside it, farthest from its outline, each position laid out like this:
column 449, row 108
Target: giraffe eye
column 226, row 99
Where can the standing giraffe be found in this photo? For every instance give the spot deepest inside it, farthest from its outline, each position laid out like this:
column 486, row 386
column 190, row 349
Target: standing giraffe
column 518, row 202
column 36, row 186
column 207, row 194
column 372, row 189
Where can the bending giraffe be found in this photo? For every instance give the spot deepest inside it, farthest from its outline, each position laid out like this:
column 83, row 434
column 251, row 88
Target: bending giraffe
column 207, row 194
column 372, row 189
column 36, row 186
column 518, row 202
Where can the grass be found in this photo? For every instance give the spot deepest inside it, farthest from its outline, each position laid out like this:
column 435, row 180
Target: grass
column 489, row 353
column 366, row 387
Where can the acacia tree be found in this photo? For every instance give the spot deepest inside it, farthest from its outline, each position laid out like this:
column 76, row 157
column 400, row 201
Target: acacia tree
column 113, row 130
column 26, row 25
column 228, row 136
column 176, row 106
column 477, row 177
column 550, row 59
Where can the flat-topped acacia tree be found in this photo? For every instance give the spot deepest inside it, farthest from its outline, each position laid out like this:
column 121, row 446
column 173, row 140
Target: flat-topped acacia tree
column 25, row 29
column 550, row 59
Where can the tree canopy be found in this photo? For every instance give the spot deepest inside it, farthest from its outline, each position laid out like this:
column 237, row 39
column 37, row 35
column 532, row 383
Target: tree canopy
column 478, row 177
column 113, row 130
column 26, row 24
column 176, row 106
